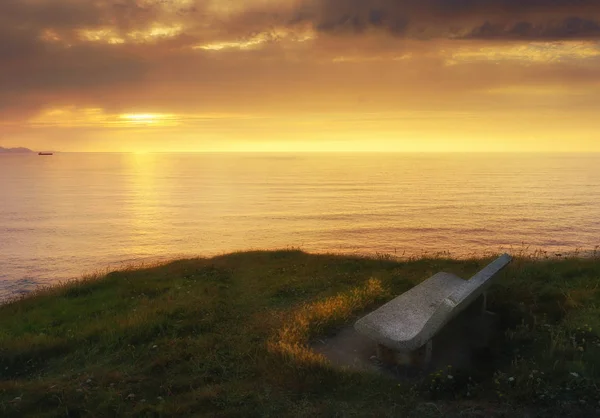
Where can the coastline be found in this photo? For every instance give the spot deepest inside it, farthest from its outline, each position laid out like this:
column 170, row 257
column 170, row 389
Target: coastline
column 29, row 284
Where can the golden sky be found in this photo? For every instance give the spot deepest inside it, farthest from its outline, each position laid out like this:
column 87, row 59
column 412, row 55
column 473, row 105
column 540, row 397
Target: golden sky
column 300, row 75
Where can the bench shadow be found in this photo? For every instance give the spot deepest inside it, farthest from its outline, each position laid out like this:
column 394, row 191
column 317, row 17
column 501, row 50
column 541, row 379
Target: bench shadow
column 467, row 343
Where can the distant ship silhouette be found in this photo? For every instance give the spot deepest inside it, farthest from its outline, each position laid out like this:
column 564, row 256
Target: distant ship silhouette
column 45, row 153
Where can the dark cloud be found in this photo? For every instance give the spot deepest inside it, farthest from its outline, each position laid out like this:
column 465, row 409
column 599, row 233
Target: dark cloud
column 18, row 44
column 404, row 18
column 567, row 29
column 427, row 19
column 33, row 67
column 76, row 14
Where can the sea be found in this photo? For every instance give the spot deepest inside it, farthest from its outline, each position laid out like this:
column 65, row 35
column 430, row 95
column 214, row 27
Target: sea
column 72, row 214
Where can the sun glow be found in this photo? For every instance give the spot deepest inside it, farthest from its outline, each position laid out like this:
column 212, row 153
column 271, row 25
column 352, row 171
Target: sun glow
column 109, row 36
column 112, row 37
column 532, row 52
column 256, row 41
column 148, row 118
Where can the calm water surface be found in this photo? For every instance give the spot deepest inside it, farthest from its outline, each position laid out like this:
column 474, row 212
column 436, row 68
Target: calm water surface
column 70, row 214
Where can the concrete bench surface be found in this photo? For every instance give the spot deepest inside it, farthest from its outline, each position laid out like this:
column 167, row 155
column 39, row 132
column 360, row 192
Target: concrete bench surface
column 409, row 321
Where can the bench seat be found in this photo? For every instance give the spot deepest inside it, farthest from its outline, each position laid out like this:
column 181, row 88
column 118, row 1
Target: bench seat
column 409, row 321
column 398, row 323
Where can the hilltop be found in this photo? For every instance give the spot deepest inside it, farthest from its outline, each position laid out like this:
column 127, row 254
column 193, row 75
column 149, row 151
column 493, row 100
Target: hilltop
column 231, row 336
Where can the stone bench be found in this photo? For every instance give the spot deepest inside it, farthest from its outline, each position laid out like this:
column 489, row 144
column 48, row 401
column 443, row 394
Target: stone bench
column 406, row 325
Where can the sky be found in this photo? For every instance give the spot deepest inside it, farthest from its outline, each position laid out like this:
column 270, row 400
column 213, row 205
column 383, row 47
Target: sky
column 300, row 75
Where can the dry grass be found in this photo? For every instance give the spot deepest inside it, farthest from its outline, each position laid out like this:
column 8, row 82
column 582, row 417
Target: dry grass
column 312, row 319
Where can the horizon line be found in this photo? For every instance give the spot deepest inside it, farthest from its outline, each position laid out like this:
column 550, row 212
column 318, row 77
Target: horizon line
column 311, row 152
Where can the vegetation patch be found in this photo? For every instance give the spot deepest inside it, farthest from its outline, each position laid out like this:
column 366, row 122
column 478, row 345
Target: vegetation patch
column 230, row 336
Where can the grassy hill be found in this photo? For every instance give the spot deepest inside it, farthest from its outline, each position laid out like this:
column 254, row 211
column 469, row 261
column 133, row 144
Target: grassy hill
column 229, row 336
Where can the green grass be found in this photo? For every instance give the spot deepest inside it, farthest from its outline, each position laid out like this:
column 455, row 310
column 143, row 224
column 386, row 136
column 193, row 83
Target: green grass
column 228, row 336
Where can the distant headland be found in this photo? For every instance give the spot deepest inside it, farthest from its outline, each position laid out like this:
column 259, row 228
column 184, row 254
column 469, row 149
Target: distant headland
column 19, row 150
column 23, row 150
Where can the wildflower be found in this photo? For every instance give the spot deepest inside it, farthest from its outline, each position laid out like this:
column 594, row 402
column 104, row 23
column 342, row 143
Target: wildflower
column 574, row 374
column 450, row 377
column 511, row 379
column 580, row 349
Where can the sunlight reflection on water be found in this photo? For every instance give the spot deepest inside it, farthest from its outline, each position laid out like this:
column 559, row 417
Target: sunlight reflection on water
column 65, row 215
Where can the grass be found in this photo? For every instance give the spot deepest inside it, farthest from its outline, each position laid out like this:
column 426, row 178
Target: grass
column 229, row 336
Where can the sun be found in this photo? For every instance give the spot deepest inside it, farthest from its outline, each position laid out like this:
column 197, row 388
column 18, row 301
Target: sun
column 140, row 117
column 147, row 118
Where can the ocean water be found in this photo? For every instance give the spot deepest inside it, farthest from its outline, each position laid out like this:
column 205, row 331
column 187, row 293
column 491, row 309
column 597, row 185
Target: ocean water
column 70, row 214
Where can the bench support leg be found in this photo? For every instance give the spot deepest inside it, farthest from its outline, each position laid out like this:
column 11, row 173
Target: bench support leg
column 420, row 357
column 428, row 353
column 391, row 357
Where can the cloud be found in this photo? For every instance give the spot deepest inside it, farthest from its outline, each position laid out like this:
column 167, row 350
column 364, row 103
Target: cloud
column 429, row 19
column 212, row 55
column 568, row 28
